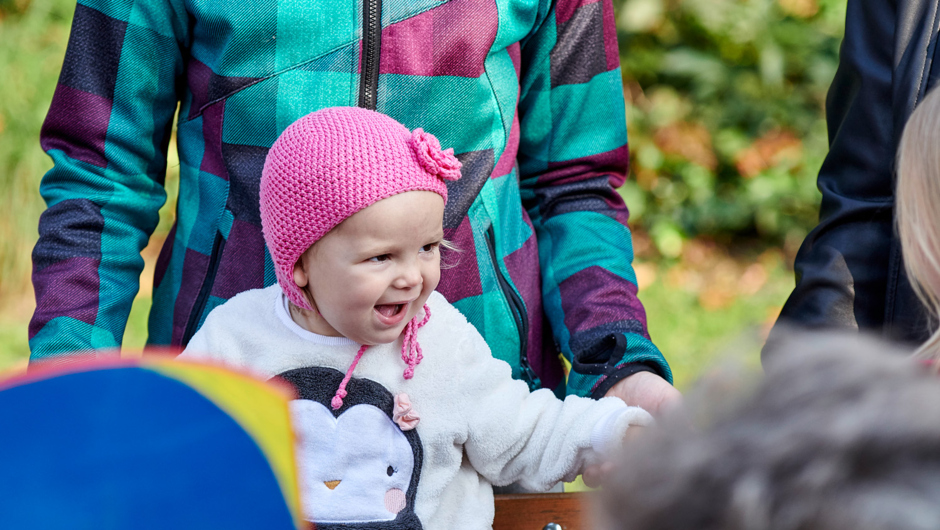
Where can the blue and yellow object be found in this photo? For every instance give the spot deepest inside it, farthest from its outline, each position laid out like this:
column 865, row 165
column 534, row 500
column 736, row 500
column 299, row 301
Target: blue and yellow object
column 146, row 443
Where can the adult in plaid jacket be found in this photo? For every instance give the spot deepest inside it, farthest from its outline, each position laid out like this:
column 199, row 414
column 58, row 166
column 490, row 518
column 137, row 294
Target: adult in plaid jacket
column 528, row 92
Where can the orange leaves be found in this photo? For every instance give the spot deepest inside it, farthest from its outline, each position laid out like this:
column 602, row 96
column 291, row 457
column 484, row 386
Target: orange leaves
column 691, row 141
column 799, row 8
column 772, row 149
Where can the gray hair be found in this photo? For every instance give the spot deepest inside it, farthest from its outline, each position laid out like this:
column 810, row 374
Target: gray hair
column 843, row 433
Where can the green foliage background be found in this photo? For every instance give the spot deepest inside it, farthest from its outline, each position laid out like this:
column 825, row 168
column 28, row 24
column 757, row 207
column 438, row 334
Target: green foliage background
column 726, row 119
column 725, row 115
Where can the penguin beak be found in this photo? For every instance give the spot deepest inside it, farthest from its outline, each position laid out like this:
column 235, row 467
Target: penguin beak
column 331, row 484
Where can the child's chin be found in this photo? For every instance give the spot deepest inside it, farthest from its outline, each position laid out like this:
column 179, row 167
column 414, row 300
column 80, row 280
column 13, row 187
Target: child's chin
column 383, row 337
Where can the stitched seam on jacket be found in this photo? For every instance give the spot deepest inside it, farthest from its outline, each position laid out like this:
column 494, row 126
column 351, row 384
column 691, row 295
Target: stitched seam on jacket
column 265, row 78
column 891, row 287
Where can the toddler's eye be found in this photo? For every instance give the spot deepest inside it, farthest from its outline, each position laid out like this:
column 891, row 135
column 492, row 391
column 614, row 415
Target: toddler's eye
column 429, row 247
column 390, row 471
column 379, row 259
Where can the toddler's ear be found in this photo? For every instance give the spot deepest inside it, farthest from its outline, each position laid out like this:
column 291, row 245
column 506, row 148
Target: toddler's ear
column 300, row 276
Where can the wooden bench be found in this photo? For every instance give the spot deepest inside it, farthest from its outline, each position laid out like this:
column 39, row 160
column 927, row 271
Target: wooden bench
column 537, row 511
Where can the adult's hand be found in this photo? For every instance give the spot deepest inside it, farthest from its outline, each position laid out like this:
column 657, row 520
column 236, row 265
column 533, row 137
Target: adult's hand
column 647, row 391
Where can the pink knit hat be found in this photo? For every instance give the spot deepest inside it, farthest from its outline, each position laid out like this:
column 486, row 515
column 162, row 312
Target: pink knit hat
column 327, row 166
column 332, row 163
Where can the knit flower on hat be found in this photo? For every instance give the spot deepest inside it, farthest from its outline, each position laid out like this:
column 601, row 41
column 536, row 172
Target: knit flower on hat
column 432, row 158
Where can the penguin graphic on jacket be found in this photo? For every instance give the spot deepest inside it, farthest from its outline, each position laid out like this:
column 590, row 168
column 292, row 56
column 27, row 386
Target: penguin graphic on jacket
column 357, row 466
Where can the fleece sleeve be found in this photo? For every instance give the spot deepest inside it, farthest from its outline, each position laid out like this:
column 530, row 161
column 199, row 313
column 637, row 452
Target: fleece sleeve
column 533, row 438
column 107, row 132
column 572, row 157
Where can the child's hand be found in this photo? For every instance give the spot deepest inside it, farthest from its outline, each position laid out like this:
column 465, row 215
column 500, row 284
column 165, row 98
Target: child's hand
column 647, row 391
column 595, row 475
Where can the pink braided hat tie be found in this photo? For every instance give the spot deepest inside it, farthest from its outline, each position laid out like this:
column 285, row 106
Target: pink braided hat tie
column 410, row 349
column 410, row 353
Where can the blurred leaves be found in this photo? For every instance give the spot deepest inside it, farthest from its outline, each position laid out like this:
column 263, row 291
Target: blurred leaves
column 33, row 35
column 9, row 7
column 726, row 115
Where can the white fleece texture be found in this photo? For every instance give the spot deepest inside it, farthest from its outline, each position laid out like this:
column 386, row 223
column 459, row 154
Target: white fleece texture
column 479, row 426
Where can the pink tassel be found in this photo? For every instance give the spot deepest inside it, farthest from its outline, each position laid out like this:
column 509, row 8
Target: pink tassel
column 337, row 400
column 410, row 349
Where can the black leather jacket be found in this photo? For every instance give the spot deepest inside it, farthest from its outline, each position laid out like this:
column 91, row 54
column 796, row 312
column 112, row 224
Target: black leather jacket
column 849, row 271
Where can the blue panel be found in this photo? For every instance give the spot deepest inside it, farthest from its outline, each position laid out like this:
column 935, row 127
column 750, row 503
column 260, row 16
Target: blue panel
column 129, row 448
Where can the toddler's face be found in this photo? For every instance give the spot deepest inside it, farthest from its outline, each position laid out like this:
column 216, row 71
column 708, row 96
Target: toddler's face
column 371, row 274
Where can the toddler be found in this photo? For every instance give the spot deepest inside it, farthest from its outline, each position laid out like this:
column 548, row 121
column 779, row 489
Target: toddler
column 404, row 419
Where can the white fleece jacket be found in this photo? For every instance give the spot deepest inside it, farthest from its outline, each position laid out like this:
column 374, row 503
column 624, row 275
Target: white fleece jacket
column 477, row 427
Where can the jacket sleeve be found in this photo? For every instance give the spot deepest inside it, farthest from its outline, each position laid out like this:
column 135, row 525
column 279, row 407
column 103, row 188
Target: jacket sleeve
column 572, row 157
column 107, row 133
column 531, row 438
column 849, row 271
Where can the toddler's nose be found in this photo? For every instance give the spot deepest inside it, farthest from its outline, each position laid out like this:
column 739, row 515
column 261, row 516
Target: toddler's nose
column 409, row 277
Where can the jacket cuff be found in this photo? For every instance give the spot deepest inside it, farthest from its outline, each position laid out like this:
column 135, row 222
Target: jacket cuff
column 609, row 359
column 618, row 374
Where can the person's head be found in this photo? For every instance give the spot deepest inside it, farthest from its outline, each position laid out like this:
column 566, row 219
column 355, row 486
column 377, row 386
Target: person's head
column 843, row 433
column 918, row 206
column 352, row 206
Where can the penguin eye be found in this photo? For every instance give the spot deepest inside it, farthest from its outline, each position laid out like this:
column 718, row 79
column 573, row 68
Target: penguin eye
column 390, row 471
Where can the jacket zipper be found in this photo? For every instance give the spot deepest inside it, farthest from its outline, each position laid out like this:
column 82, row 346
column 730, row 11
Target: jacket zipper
column 200, row 305
column 517, row 308
column 371, row 46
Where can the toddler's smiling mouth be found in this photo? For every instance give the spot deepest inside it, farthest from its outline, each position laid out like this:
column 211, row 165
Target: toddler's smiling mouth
column 389, row 310
column 392, row 314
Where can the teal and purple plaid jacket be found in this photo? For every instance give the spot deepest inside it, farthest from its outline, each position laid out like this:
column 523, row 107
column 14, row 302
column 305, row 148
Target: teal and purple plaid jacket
column 527, row 92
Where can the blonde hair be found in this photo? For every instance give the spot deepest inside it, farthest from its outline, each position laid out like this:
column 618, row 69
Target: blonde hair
column 918, row 208
column 450, row 254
